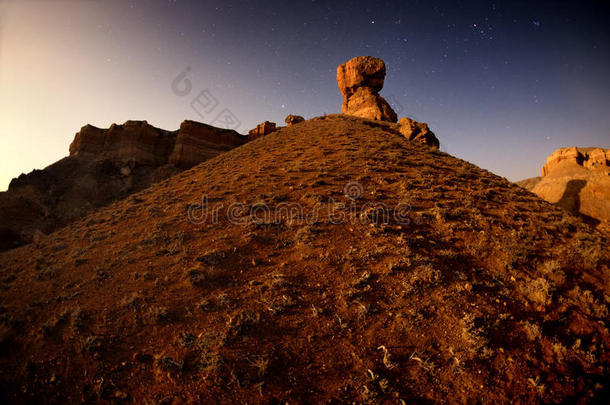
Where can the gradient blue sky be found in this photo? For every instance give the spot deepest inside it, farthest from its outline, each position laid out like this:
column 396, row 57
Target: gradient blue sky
column 501, row 83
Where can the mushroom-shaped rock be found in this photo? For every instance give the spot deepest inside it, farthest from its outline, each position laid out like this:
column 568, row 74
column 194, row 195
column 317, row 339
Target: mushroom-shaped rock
column 361, row 71
column 359, row 80
column 366, row 103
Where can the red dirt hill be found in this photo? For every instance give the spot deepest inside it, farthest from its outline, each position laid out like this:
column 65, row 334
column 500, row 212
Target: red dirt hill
column 475, row 290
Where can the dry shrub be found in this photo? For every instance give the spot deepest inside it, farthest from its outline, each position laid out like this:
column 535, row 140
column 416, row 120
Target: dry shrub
column 531, row 330
column 472, row 335
column 158, row 315
column 552, row 271
column 133, row 301
column 588, row 302
column 200, row 275
column 423, row 275
column 537, row 292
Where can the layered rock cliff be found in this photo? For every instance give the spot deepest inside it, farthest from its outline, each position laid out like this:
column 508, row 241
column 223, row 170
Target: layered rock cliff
column 145, row 144
column 104, row 165
column 593, row 159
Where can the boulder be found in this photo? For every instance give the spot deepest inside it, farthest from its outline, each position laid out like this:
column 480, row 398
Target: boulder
column 262, row 129
column 365, row 103
column 359, row 80
column 361, row 71
column 293, row 119
column 417, row 132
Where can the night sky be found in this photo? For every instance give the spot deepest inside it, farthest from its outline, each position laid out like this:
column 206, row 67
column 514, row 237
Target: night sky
column 502, row 84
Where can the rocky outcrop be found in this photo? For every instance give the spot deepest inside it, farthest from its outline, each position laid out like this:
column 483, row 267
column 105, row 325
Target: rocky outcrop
column 417, row 132
column 262, row 129
column 293, row 119
column 578, row 180
column 588, row 158
column 196, row 142
column 359, row 80
column 135, row 140
column 145, row 144
column 361, row 71
column 104, row 165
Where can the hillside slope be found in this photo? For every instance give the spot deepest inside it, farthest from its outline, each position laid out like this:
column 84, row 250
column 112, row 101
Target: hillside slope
column 475, row 290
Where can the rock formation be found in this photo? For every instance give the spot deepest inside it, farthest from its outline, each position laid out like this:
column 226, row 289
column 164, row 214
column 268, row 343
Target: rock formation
column 144, row 144
column 359, row 80
column 293, row 119
column 104, row 165
column 578, row 180
column 135, row 140
column 417, row 131
column 261, row 130
column 589, row 158
column 196, row 142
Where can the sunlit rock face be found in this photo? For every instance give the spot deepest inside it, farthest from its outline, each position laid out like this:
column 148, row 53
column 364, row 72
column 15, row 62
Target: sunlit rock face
column 417, row 132
column 578, row 180
column 262, row 129
column 145, row 144
column 359, row 80
column 594, row 159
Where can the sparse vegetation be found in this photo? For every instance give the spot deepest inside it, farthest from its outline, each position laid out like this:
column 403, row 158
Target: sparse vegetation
column 486, row 294
column 158, row 314
column 537, row 292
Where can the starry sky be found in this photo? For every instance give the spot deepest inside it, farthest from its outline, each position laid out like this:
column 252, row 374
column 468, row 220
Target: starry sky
column 501, row 83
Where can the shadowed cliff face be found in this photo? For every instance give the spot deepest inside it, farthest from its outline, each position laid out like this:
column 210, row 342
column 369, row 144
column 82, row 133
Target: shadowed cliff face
column 578, row 180
column 570, row 201
column 104, row 165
